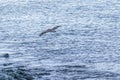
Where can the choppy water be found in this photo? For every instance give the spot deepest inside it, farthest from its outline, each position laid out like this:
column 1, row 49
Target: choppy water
column 85, row 47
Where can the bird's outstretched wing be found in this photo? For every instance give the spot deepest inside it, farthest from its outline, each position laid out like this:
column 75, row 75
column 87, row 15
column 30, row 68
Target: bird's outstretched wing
column 44, row 32
column 54, row 28
column 49, row 30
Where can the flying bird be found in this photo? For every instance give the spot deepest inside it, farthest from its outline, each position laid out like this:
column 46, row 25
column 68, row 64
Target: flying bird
column 49, row 30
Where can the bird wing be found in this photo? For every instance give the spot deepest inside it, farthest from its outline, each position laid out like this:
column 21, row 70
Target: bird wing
column 43, row 33
column 54, row 28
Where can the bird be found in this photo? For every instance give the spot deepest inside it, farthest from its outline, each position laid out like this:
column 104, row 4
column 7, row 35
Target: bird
column 49, row 30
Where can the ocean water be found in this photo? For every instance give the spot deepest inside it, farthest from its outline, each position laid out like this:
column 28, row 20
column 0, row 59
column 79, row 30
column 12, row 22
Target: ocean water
column 85, row 47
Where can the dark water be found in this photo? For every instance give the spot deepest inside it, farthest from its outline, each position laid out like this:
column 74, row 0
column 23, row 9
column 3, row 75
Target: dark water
column 85, row 47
